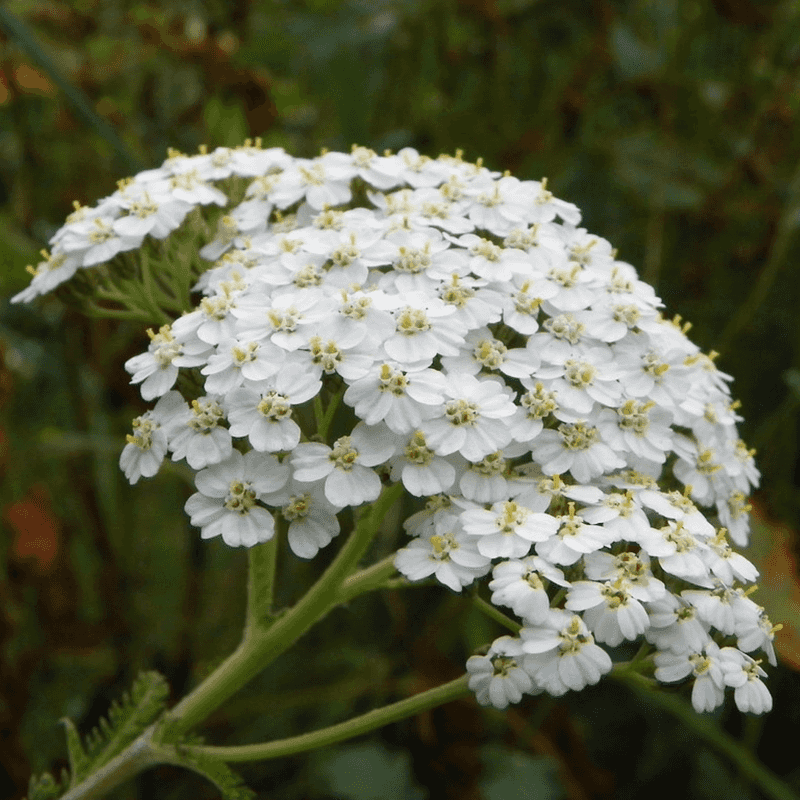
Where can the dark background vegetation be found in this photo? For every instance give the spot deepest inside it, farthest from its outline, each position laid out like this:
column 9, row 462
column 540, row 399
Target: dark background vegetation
column 674, row 125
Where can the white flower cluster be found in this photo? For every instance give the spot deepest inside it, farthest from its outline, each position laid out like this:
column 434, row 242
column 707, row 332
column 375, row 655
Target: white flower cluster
column 491, row 355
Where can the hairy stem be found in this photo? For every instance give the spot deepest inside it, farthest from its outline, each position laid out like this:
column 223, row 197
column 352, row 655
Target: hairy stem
column 261, row 645
column 357, row 726
column 136, row 758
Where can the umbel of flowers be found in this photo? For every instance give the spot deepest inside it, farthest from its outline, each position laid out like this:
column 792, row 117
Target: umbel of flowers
column 371, row 319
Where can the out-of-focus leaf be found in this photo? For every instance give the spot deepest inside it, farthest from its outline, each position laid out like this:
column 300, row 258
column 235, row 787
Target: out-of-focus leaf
column 225, row 123
column 507, row 8
column 665, row 172
column 514, row 775
column 712, row 778
column 367, row 771
column 634, row 58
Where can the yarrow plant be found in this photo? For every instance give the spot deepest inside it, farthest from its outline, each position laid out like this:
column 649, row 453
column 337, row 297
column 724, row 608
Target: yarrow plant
column 356, row 329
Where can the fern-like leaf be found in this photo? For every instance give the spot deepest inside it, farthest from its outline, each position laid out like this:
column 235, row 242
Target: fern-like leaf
column 126, row 720
column 229, row 783
column 78, row 759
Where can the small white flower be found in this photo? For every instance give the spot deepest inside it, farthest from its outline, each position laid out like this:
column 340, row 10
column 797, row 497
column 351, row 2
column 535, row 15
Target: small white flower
column 345, row 467
column 147, row 445
column 237, row 362
column 57, row 268
column 264, row 415
column 473, row 422
column 521, row 585
column 311, row 517
column 575, row 447
column 157, row 369
column 675, row 626
column 154, row 214
column 744, row 674
column 754, row 630
column 288, row 320
column 631, row 570
column 190, row 187
column 423, row 330
column 200, row 439
column 611, row 611
column 507, row 529
column 97, row 241
column 563, row 654
column 422, row 472
column 638, row 428
column 487, row 480
column 382, row 172
column 538, row 492
column 708, row 691
column 400, row 397
column 322, row 182
column 484, row 353
column 498, row 677
column 679, row 552
column 445, row 552
column 572, row 539
column 226, row 502
column 697, row 467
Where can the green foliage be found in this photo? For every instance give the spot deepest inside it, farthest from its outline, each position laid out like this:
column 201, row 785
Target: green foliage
column 514, row 775
column 126, row 721
column 368, row 771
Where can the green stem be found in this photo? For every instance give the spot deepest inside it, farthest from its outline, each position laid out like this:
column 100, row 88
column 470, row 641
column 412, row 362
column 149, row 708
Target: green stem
column 182, row 271
column 141, row 755
column 261, row 645
column 366, row 580
column 134, row 291
column 325, row 418
column 493, row 613
column 708, row 730
column 154, row 294
column 261, row 564
column 357, row 726
column 93, row 310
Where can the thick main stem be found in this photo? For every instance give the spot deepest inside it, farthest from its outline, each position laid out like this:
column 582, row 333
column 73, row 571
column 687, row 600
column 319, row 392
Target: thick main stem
column 261, row 565
column 261, row 645
column 135, row 759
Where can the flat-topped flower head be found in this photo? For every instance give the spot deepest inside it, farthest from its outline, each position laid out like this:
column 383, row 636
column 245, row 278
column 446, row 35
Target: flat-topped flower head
column 353, row 321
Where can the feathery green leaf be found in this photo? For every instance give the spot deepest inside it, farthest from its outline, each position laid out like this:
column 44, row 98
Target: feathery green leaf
column 126, row 720
column 78, row 759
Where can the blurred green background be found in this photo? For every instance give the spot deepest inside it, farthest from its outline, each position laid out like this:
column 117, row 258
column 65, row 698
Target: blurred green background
column 675, row 127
